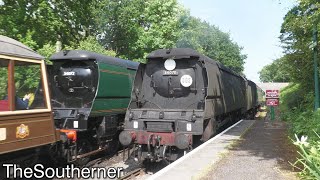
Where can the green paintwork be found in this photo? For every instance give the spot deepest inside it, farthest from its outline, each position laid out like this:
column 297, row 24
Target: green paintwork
column 113, row 81
column 114, row 90
column 109, row 106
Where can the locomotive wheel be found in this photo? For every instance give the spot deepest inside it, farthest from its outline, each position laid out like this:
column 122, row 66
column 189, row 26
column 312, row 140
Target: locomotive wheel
column 84, row 146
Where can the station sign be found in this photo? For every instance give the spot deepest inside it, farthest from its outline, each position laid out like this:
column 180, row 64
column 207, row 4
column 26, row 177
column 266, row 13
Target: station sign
column 272, row 93
column 272, row 102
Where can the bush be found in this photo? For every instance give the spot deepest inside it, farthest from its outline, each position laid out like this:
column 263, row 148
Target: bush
column 296, row 105
column 294, row 96
column 304, row 123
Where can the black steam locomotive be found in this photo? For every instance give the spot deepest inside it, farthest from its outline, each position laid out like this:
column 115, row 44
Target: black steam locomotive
column 90, row 93
column 180, row 96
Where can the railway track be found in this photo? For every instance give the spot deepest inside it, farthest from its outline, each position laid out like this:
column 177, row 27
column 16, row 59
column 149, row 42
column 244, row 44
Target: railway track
column 133, row 174
column 100, row 159
column 132, row 169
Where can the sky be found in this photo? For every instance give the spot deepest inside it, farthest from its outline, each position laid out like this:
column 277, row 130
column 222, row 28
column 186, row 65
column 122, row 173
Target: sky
column 253, row 24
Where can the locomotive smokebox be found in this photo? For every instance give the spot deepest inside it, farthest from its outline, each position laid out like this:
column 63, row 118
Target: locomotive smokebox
column 126, row 138
column 182, row 141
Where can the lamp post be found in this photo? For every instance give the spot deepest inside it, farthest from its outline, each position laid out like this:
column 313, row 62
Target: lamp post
column 315, row 64
column 314, row 45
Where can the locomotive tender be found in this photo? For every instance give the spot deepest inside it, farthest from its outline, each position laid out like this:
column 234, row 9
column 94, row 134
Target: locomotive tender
column 90, row 94
column 180, row 96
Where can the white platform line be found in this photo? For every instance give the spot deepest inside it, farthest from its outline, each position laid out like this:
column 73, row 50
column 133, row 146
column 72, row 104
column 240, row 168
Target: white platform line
column 167, row 168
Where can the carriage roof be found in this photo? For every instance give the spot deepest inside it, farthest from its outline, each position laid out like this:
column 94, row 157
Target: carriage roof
column 11, row 47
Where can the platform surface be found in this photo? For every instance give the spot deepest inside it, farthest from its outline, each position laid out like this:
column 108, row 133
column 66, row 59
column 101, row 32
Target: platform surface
column 265, row 152
column 201, row 159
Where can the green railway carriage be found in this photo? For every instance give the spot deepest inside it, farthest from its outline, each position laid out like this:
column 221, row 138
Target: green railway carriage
column 90, row 95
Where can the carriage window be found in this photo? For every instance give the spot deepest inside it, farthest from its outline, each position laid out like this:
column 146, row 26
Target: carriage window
column 28, row 86
column 4, row 105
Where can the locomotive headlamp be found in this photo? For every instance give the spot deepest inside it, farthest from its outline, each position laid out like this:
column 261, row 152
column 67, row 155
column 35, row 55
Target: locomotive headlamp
column 170, row 64
column 186, row 80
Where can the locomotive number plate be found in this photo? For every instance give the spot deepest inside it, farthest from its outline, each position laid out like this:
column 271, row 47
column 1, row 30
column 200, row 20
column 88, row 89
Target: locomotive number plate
column 170, row 73
column 70, row 73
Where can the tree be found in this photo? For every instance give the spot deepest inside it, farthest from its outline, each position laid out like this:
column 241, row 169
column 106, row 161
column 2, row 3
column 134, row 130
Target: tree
column 211, row 41
column 89, row 44
column 130, row 28
column 134, row 28
column 275, row 72
column 46, row 21
column 296, row 37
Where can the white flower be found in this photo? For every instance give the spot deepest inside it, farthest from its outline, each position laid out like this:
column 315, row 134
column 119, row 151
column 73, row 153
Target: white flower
column 303, row 140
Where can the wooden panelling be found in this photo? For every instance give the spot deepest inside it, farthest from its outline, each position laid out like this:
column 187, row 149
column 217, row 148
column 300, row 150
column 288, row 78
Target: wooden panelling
column 26, row 131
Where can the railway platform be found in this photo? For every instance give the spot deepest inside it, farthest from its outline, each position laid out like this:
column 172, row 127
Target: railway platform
column 250, row 149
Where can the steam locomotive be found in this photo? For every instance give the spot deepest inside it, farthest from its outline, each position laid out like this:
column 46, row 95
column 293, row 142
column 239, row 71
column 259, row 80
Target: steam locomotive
column 90, row 93
column 181, row 96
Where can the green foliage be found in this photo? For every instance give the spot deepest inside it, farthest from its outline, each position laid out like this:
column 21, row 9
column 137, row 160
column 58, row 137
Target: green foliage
column 160, row 26
column 46, row 51
column 291, row 97
column 27, row 78
column 211, row 41
column 130, row 28
column 296, row 37
column 91, row 44
column 297, row 105
column 275, row 72
column 304, row 122
column 28, row 39
column 297, row 108
column 3, row 81
column 134, row 28
column 48, row 20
